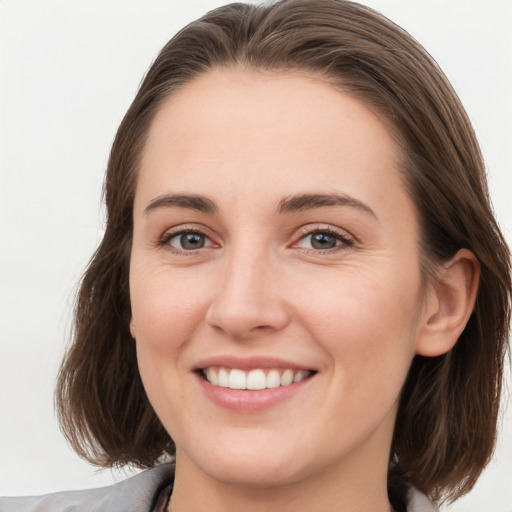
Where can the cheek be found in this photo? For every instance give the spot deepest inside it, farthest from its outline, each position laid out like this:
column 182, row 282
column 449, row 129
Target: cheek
column 366, row 321
column 165, row 310
column 166, row 313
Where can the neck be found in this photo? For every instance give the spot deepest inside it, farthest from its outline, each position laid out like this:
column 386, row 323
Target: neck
column 348, row 489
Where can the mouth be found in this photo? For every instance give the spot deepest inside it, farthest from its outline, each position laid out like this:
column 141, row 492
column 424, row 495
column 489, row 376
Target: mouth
column 251, row 385
column 255, row 379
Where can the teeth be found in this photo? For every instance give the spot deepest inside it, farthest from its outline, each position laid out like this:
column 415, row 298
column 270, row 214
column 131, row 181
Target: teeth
column 222, row 378
column 300, row 375
column 211, row 375
column 255, row 379
column 273, row 379
column 237, row 379
column 286, row 378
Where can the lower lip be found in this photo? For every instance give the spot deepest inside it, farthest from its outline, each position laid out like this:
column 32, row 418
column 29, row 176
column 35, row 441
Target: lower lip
column 244, row 400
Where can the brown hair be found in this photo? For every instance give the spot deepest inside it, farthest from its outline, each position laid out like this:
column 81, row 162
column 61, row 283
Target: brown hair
column 446, row 424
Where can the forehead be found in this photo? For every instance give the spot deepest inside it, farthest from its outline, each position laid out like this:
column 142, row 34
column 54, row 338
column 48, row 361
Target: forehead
column 252, row 103
column 266, row 132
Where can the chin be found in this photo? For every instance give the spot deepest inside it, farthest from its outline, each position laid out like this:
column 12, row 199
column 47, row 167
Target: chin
column 249, row 464
column 254, row 473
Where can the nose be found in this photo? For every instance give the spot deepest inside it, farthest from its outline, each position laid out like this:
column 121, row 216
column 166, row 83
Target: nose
column 248, row 303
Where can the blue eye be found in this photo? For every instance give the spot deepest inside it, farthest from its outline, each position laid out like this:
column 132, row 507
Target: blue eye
column 323, row 240
column 188, row 240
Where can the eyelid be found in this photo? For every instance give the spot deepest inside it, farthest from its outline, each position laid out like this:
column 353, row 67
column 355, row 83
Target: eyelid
column 344, row 236
column 328, row 228
column 171, row 233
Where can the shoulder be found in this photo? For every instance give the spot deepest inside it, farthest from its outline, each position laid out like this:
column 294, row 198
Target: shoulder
column 135, row 494
column 418, row 502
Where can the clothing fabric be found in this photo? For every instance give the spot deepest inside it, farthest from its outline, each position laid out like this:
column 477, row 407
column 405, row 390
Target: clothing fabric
column 139, row 493
column 148, row 491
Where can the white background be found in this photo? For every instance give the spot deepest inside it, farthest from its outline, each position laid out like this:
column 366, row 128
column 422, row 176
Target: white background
column 68, row 71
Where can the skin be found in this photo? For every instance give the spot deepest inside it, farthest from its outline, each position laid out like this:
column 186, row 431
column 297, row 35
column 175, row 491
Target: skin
column 356, row 314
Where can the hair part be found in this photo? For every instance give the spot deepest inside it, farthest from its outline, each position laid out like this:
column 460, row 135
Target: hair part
column 446, row 424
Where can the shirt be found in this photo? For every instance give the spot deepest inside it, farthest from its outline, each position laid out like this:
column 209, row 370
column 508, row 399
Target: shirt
column 148, row 491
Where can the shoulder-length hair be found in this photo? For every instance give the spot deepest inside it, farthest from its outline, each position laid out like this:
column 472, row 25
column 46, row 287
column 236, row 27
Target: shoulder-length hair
column 446, row 425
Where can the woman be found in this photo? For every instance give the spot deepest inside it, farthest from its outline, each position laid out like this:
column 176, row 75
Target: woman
column 302, row 266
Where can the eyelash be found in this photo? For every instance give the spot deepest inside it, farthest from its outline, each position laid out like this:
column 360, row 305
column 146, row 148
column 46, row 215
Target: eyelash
column 165, row 241
column 344, row 239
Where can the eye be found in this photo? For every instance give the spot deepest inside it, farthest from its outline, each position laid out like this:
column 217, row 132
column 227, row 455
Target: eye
column 323, row 240
column 187, row 240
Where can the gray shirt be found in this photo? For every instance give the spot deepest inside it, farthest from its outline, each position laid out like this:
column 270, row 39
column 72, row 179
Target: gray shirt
column 140, row 493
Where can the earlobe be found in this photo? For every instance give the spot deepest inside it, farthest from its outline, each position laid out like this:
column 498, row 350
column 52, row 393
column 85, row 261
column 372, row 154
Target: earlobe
column 132, row 328
column 449, row 304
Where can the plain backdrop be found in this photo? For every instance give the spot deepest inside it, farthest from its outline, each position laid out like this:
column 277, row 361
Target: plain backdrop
column 68, row 71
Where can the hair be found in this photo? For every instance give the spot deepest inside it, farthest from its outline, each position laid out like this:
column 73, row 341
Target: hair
column 446, row 425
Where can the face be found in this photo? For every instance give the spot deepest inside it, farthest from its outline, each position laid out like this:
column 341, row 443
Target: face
column 275, row 282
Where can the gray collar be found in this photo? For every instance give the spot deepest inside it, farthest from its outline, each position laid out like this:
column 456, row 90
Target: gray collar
column 136, row 494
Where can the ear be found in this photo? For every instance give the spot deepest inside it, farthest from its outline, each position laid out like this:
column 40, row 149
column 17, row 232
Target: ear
column 449, row 304
column 132, row 328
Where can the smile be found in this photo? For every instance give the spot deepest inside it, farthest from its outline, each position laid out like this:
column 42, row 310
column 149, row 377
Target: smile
column 256, row 379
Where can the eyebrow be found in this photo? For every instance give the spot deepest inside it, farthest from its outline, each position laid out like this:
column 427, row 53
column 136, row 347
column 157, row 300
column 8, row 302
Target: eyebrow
column 191, row 202
column 303, row 202
column 289, row 204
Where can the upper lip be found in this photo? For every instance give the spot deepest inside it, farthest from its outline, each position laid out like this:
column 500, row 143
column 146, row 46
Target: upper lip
column 249, row 363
